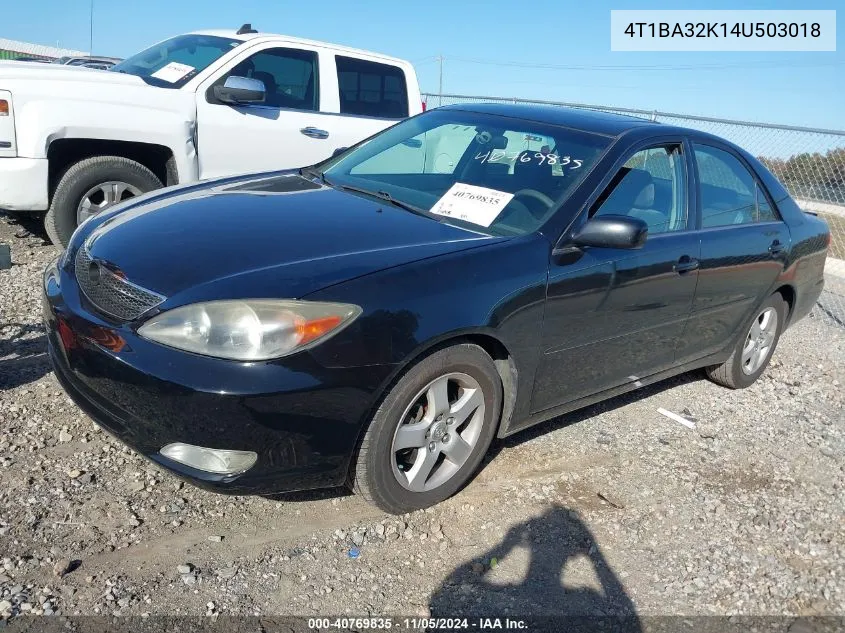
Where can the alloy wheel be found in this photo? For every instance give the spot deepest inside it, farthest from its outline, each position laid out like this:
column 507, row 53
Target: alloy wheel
column 438, row 432
column 758, row 343
column 102, row 197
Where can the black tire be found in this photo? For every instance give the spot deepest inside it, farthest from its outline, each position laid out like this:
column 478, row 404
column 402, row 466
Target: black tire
column 372, row 475
column 730, row 373
column 60, row 222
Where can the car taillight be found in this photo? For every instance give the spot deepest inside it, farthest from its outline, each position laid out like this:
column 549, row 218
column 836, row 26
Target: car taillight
column 424, row 106
column 4, row 107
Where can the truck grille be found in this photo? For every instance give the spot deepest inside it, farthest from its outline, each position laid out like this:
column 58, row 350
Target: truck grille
column 109, row 292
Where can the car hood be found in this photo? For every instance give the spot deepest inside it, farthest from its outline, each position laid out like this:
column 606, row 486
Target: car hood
column 271, row 236
column 61, row 72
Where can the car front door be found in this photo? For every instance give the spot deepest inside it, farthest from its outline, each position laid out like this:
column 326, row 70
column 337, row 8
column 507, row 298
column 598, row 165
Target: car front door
column 614, row 316
column 288, row 130
column 744, row 246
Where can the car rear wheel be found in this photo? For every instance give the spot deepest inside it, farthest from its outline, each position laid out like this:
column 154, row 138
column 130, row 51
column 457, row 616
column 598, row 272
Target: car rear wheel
column 754, row 350
column 431, row 431
column 92, row 186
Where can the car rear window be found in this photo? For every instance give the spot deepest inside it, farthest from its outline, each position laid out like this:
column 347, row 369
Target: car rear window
column 371, row 89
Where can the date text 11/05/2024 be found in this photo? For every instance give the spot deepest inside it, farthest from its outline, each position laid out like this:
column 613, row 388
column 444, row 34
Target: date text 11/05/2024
column 417, row 624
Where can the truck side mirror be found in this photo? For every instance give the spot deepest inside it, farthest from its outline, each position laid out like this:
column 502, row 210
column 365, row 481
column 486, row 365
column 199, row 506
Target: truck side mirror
column 240, row 91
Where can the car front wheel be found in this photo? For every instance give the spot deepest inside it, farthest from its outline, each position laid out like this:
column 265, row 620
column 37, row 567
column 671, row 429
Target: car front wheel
column 92, row 186
column 431, row 431
column 754, row 349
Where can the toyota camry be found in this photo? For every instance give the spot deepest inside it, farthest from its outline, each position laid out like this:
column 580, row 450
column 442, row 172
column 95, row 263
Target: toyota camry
column 378, row 319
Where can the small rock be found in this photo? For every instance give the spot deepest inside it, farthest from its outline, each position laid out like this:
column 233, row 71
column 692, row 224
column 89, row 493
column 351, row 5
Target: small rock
column 189, row 579
column 215, row 539
column 5, row 605
column 136, row 486
column 62, row 567
column 73, row 474
column 134, row 522
column 86, row 478
column 123, row 603
column 184, row 568
column 64, row 436
column 228, row 572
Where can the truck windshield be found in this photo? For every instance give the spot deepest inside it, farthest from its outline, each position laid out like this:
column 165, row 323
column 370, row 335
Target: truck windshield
column 488, row 173
column 174, row 62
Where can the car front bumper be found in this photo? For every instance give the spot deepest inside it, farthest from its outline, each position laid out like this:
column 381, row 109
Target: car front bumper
column 301, row 418
column 23, row 184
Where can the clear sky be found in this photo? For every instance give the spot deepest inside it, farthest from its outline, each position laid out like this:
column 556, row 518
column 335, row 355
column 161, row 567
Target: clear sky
column 545, row 49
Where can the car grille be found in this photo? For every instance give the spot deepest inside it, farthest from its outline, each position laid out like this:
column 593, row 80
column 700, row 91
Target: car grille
column 109, row 292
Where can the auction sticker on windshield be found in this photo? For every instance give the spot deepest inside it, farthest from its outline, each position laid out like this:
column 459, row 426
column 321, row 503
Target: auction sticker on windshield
column 172, row 72
column 469, row 203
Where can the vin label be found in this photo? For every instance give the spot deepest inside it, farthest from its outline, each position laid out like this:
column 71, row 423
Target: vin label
column 738, row 31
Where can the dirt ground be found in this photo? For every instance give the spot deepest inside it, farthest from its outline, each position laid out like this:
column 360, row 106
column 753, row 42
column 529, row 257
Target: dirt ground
column 616, row 509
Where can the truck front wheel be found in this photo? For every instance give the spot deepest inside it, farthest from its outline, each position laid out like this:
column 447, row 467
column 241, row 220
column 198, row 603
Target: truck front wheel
column 93, row 185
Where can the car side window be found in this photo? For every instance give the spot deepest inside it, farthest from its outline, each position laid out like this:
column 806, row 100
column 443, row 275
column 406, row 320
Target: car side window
column 289, row 76
column 765, row 213
column 651, row 186
column 729, row 193
column 371, row 89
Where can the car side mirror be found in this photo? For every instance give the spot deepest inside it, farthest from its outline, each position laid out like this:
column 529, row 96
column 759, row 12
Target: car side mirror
column 240, row 91
column 338, row 151
column 611, row 231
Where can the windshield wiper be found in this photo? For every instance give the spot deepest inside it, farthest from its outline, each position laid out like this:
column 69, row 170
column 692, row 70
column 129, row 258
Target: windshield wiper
column 383, row 195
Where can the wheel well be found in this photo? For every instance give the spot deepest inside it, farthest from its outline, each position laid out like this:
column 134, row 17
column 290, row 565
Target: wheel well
column 63, row 153
column 788, row 294
column 504, row 365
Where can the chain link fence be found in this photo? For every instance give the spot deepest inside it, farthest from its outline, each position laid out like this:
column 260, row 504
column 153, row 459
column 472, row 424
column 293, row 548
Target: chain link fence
column 810, row 162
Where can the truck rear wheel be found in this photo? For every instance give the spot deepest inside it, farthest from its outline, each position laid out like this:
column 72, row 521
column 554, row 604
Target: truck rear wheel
column 91, row 186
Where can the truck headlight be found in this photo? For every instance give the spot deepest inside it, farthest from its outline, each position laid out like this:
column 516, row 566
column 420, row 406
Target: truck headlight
column 249, row 330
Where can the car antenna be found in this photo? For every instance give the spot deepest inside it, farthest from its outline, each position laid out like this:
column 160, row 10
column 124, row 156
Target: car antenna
column 246, row 28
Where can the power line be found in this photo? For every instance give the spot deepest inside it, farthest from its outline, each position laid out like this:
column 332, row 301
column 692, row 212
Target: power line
column 760, row 64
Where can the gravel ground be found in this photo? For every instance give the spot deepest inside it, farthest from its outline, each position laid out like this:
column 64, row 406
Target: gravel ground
column 614, row 509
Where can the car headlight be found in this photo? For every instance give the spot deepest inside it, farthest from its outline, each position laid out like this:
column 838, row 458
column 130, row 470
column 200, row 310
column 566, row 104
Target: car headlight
column 252, row 329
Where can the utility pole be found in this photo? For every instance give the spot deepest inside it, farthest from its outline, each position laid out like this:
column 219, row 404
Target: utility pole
column 440, row 89
column 91, row 31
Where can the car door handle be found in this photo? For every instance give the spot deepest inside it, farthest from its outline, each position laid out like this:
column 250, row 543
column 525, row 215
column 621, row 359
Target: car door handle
column 686, row 264
column 314, row 132
column 776, row 247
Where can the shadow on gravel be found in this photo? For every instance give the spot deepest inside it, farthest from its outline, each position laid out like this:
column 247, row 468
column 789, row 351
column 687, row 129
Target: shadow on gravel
column 27, row 225
column 602, row 407
column 23, row 359
column 309, row 495
column 553, row 596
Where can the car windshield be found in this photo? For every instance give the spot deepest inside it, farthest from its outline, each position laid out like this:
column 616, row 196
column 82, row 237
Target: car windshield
column 489, row 173
column 174, row 62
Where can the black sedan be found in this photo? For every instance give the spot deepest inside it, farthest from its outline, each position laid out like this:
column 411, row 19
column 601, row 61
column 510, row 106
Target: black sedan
column 378, row 319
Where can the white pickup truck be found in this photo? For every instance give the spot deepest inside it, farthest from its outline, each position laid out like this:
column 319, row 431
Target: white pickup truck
column 74, row 141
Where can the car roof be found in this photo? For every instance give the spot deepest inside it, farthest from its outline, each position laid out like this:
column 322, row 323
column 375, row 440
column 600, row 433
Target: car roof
column 289, row 39
column 576, row 118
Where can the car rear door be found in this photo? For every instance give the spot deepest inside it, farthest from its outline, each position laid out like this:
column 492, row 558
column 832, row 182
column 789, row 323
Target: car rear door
column 614, row 316
column 290, row 129
column 744, row 248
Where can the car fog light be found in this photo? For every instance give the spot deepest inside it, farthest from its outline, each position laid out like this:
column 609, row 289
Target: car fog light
column 211, row 460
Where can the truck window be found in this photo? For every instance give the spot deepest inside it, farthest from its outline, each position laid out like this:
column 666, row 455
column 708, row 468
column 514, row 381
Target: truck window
column 371, row 89
column 289, row 76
